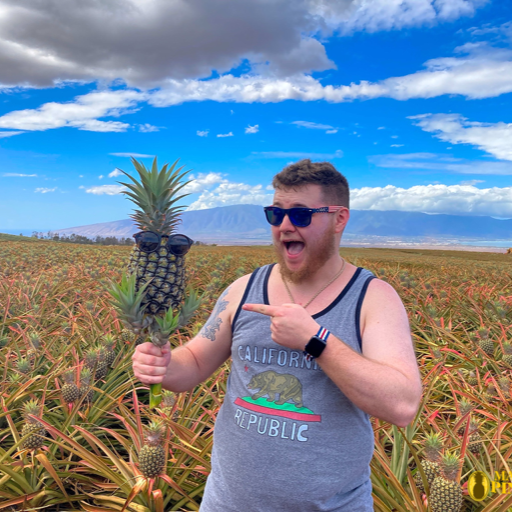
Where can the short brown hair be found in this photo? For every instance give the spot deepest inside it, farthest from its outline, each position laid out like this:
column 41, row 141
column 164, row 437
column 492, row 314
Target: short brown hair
column 304, row 172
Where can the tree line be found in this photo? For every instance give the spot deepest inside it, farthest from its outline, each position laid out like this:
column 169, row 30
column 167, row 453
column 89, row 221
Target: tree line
column 80, row 239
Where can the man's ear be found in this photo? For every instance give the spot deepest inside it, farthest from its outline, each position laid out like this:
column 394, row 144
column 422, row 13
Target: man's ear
column 342, row 217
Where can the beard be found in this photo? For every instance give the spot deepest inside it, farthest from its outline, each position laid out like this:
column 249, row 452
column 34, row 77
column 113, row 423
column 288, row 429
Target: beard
column 318, row 254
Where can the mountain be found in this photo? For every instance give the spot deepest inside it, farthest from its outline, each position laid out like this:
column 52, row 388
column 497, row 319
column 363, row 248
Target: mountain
column 247, row 222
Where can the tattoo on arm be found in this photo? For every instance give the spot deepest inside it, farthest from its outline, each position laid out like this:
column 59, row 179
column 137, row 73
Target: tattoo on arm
column 210, row 328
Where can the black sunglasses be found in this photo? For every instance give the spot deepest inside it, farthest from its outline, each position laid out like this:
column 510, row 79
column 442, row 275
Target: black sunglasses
column 149, row 241
column 300, row 217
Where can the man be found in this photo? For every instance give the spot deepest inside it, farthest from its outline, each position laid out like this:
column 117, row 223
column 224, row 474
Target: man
column 317, row 345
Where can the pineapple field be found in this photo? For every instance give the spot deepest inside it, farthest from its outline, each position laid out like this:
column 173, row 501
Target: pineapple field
column 77, row 431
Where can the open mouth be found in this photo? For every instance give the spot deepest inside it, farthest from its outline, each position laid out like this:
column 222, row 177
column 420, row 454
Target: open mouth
column 294, row 248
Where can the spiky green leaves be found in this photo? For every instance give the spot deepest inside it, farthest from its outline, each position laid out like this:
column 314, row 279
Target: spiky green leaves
column 127, row 303
column 155, row 195
column 190, row 306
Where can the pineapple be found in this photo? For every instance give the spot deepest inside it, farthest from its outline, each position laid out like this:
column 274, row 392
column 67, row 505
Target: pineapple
column 465, row 407
column 472, row 379
column 35, row 345
column 490, row 393
column 446, row 493
column 102, row 366
column 85, row 385
column 168, row 401
column 484, row 342
column 24, row 366
column 127, row 336
column 32, row 428
column 155, row 194
column 91, row 360
column 507, row 354
column 433, row 447
column 70, row 391
column 474, row 440
column 108, row 345
column 504, row 384
column 152, row 454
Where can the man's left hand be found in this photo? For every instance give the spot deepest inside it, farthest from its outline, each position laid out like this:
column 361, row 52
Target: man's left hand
column 291, row 325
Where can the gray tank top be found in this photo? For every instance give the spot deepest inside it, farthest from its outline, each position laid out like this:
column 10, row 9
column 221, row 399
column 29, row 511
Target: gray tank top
column 286, row 438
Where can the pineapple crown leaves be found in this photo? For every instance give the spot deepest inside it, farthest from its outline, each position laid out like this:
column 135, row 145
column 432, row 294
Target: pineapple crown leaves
column 190, row 306
column 433, row 446
column 127, row 301
column 155, row 194
column 31, row 408
column 68, row 376
column 154, row 433
column 108, row 342
column 85, row 376
column 168, row 323
column 450, row 463
column 34, row 340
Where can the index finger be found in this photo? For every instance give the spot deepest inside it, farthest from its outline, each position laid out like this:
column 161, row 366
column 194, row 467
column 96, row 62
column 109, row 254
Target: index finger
column 262, row 308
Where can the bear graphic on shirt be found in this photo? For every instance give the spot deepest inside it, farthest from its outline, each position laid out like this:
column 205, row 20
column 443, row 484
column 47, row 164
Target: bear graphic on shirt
column 270, row 383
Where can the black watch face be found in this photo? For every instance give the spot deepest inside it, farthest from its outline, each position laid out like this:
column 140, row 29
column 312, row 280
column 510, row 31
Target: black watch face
column 315, row 346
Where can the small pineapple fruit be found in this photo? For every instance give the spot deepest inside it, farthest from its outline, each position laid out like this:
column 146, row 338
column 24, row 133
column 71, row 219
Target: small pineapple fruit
column 70, row 391
column 102, row 366
column 85, row 385
column 35, row 344
column 127, row 336
column 168, row 401
column 152, row 454
column 32, row 428
column 490, row 393
column 446, row 493
column 507, row 354
column 91, row 360
column 465, row 407
column 472, row 379
column 108, row 345
column 433, row 447
column 504, row 384
column 486, row 344
column 474, row 440
column 24, row 366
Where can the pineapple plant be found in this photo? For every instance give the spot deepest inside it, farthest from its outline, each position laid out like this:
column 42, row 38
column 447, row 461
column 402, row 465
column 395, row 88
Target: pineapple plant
column 86, row 392
column 465, row 407
column 472, row 379
column 24, row 366
column 152, row 454
column 102, row 366
column 433, row 446
column 155, row 194
column 474, row 439
column 108, row 345
column 91, row 360
column 70, row 391
column 127, row 336
column 486, row 344
column 446, row 492
column 504, row 384
column 168, row 402
column 491, row 394
column 507, row 354
column 35, row 345
column 33, row 429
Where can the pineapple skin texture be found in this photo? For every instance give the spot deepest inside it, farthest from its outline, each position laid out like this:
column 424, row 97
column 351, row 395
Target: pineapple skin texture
column 431, row 470
column 70, row 393
column 445, row 496
column 167, row 271
column 151, row 461
column 36, row 434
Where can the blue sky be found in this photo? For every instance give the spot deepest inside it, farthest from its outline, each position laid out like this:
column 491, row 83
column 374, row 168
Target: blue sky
column 411, row 100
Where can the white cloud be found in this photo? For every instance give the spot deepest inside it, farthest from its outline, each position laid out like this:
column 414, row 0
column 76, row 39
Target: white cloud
column 297, row 154
column 147, row 128
column 330, row 132
column 313, row 126
column 230, row 134
column 3, row 135
column 381, row 128
column 202, row 133
column 493, row 138
column 442, row 163
column 471, row 182
column 109, row 190
column 44, row 190
column 203, row 182
column 396, row 145
column 449, row 199
column 18, row 175
column 134, row 155
column 101, row 176
column 252, row 129
column 81, row 113
column 116, row 172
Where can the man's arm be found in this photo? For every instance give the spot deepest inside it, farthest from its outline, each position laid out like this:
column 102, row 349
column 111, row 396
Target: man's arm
column 185, row 367
column 384, row 381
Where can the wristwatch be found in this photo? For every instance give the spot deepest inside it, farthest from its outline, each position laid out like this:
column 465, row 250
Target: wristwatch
column 316, row 345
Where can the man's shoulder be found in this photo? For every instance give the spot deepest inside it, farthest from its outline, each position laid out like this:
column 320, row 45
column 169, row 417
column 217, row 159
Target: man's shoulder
column 234, row 293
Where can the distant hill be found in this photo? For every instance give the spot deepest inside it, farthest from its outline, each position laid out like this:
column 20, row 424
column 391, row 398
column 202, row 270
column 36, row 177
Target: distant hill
column 248, row 222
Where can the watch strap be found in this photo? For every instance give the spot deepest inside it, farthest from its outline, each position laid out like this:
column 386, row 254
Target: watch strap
column 321, row 336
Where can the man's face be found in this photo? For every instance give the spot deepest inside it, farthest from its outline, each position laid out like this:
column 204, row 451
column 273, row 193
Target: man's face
column 313, row 245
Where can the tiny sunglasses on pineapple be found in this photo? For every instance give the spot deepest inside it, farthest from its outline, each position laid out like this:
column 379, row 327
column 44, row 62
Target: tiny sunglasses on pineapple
column 149, row 241
column 300, row 217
